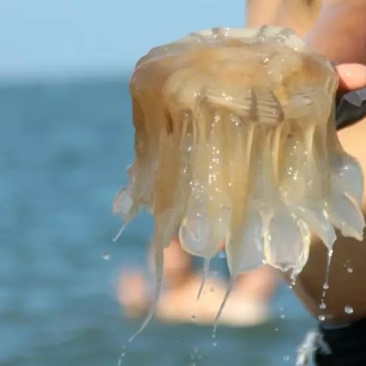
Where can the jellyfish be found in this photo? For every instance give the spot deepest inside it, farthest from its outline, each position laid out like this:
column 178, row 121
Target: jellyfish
column 235, row 142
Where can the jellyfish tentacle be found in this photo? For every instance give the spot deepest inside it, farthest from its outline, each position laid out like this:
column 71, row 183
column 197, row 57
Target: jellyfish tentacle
column 235, row 140
column 224, row 301
column 159, row 266
column 206, row 270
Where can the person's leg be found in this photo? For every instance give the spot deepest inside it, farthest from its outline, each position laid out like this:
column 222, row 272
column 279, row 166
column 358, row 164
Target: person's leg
column 247, row 305
column 257, row 285
column 177, row 265
column 133, row 291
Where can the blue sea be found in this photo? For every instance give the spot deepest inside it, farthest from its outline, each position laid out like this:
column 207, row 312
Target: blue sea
column 64, row 147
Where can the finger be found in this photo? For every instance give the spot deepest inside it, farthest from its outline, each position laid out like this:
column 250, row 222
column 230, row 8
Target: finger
column 351, row 76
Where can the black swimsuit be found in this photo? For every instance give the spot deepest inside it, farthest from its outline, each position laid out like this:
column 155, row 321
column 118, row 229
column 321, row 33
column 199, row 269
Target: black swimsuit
column 346, row 346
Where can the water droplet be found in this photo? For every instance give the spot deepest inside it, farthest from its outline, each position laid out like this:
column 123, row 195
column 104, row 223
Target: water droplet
column 282, row 316
column 106, row 256
column 348, row 309
column 293, row 280
column 276, row 329
column 286, row 358
column 213, row 336
column 349, row 270
column 325, row 284
column 122, row 356
column 321, row 318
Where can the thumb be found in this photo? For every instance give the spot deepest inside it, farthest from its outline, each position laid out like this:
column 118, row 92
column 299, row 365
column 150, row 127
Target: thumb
column 351, row 76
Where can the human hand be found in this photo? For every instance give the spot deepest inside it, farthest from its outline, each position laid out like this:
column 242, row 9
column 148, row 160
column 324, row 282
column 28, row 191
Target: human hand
column 351, row 76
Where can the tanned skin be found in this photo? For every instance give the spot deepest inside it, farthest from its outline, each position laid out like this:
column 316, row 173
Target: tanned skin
column 336, row 29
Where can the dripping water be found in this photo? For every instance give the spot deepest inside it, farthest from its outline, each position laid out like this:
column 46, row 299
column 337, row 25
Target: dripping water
column 348, row 267
column 213, row 336
column 323, row 305
column 120, row 232
column 195, row 356
column 122, row 356
column 293, row 278
column 282, row 312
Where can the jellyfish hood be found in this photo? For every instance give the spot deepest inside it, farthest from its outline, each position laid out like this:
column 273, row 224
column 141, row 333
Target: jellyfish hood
column 235, row 143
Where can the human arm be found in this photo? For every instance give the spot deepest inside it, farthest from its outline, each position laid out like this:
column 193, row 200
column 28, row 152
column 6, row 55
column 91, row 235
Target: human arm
column 339, row 32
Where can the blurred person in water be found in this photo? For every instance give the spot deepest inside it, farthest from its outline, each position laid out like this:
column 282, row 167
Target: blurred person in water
column 247, row 304
column 336, row 29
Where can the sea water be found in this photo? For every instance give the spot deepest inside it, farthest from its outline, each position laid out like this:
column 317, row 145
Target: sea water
column 63, row 150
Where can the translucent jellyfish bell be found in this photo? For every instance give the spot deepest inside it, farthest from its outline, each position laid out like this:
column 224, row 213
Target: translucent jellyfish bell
column 235, row 142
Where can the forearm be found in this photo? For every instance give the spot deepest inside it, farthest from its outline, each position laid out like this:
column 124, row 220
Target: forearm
column 340, row 31
column 259, row 12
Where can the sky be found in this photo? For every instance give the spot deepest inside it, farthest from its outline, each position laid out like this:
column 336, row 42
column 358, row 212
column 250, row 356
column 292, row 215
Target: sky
column 53, row 38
